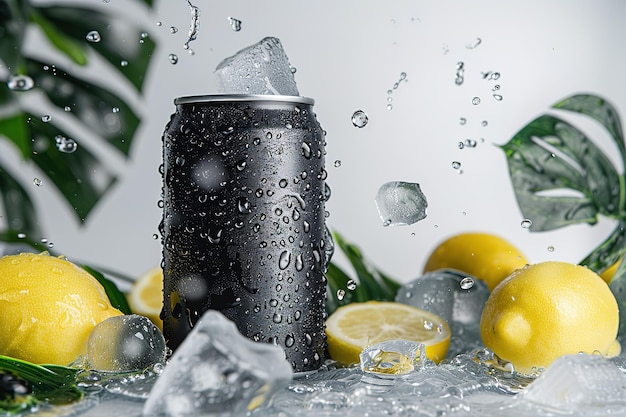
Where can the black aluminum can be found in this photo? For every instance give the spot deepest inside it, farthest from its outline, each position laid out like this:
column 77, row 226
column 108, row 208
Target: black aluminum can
column 244, row 220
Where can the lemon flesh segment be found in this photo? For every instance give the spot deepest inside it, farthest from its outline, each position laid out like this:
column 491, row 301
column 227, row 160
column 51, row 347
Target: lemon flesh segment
column 146, row 296
column 48, row 307
column 353, row 327
column 487, row 257
column 547, row 310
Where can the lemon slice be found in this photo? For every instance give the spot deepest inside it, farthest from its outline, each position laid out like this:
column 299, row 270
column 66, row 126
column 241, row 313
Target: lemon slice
column 353, row 327
column 146, row 296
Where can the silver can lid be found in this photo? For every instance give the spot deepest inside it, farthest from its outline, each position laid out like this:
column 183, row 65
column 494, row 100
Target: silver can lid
column 223, row 98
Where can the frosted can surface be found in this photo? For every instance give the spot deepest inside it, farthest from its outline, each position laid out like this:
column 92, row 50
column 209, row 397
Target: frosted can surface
column 243, row 220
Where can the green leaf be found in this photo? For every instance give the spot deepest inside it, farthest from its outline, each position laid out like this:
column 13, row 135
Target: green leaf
column 559, row 176
column 68, row 46
column 599, row 109
column 15, row 129
column 609, row 251
column 123, row 50
column 117, row 298
column 80, row 176
column 371, row 283
column 19, row 210
column 51, row 383
column 105, row 113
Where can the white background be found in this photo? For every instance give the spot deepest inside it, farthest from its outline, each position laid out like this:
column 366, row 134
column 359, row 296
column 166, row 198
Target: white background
column 348, row 54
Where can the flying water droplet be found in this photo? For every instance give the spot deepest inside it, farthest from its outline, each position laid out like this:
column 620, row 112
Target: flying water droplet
column 20, row 83
column 235, row 24
column 337, row 163
column 498, row 97
column 526, row 223
column 194, row 26
column 351, row 285
column 456, row 165
column 462, row 121
column 173, row 58
column 46, row 118
column 359, row 119
column 340, row 294
column 65, row 145
column 37, row 182
column 476, row 101
column 460, row 73
column 550, row 248
column 93, row 36
column 124, row 63
column 474, row 44
column 467, row 283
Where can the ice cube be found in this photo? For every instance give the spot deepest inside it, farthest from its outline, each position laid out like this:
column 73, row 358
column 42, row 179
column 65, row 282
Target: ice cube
column 401, row 203
column 579, row 381
column 217, row 372
column 393, row 357
column 262, row 68
column 124, row 344
column 454, row 296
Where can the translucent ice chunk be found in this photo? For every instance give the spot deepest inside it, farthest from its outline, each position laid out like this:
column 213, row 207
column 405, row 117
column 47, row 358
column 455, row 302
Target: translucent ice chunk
column 217, row 372
column 576, row 381
column 123, row 344
column 401, row 203
column 262, row 68
column 393, row 357
column 454, row 296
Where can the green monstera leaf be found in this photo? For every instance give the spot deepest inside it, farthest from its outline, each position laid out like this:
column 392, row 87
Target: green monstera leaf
column 561, row 177
column 51, row 144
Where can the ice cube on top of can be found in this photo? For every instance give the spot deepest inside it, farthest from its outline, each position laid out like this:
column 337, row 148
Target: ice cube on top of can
column 262, row 68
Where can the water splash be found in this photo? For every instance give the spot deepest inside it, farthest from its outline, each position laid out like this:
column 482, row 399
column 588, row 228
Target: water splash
column 395, row 87
column 474, row 44
column 194, row 26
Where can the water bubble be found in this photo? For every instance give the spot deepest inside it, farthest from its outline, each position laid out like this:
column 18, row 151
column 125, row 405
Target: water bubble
column 46, row 118
column 20, row 83
column 526, row 223
column 476, row 101
column 235, row 24
column 37, row 182
column 359, row 119
column 173, row 58
column 65, row 145
column 467, row 283
column 93, row 36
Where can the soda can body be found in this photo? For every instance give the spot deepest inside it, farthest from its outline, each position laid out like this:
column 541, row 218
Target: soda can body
column 244, row 221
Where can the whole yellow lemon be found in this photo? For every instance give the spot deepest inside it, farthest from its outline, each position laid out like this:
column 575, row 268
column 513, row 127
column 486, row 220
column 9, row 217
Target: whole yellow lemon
column 487, row 257
column 548, row 310
column 48, row 307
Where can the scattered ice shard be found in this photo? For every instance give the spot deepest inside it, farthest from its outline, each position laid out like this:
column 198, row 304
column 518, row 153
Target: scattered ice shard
column 262, row 68
column 401, row 203
column 393, row 357
column 217, row 372
column 580, row 381
column 454, row 296
column 123, row 344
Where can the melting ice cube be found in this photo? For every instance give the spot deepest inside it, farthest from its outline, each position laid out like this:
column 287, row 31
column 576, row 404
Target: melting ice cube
column 217, row 372
column 393, row 357
column 262, row 68
column 448, row 294
column 581, row 380
column 124, row 343
column 401, row 203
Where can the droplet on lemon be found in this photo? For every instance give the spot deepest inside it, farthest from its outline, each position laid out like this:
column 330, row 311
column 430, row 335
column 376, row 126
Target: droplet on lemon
column 48, row 307
column 547, row 310
column 353, row 327
column 487, row 257
column 146, row 296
